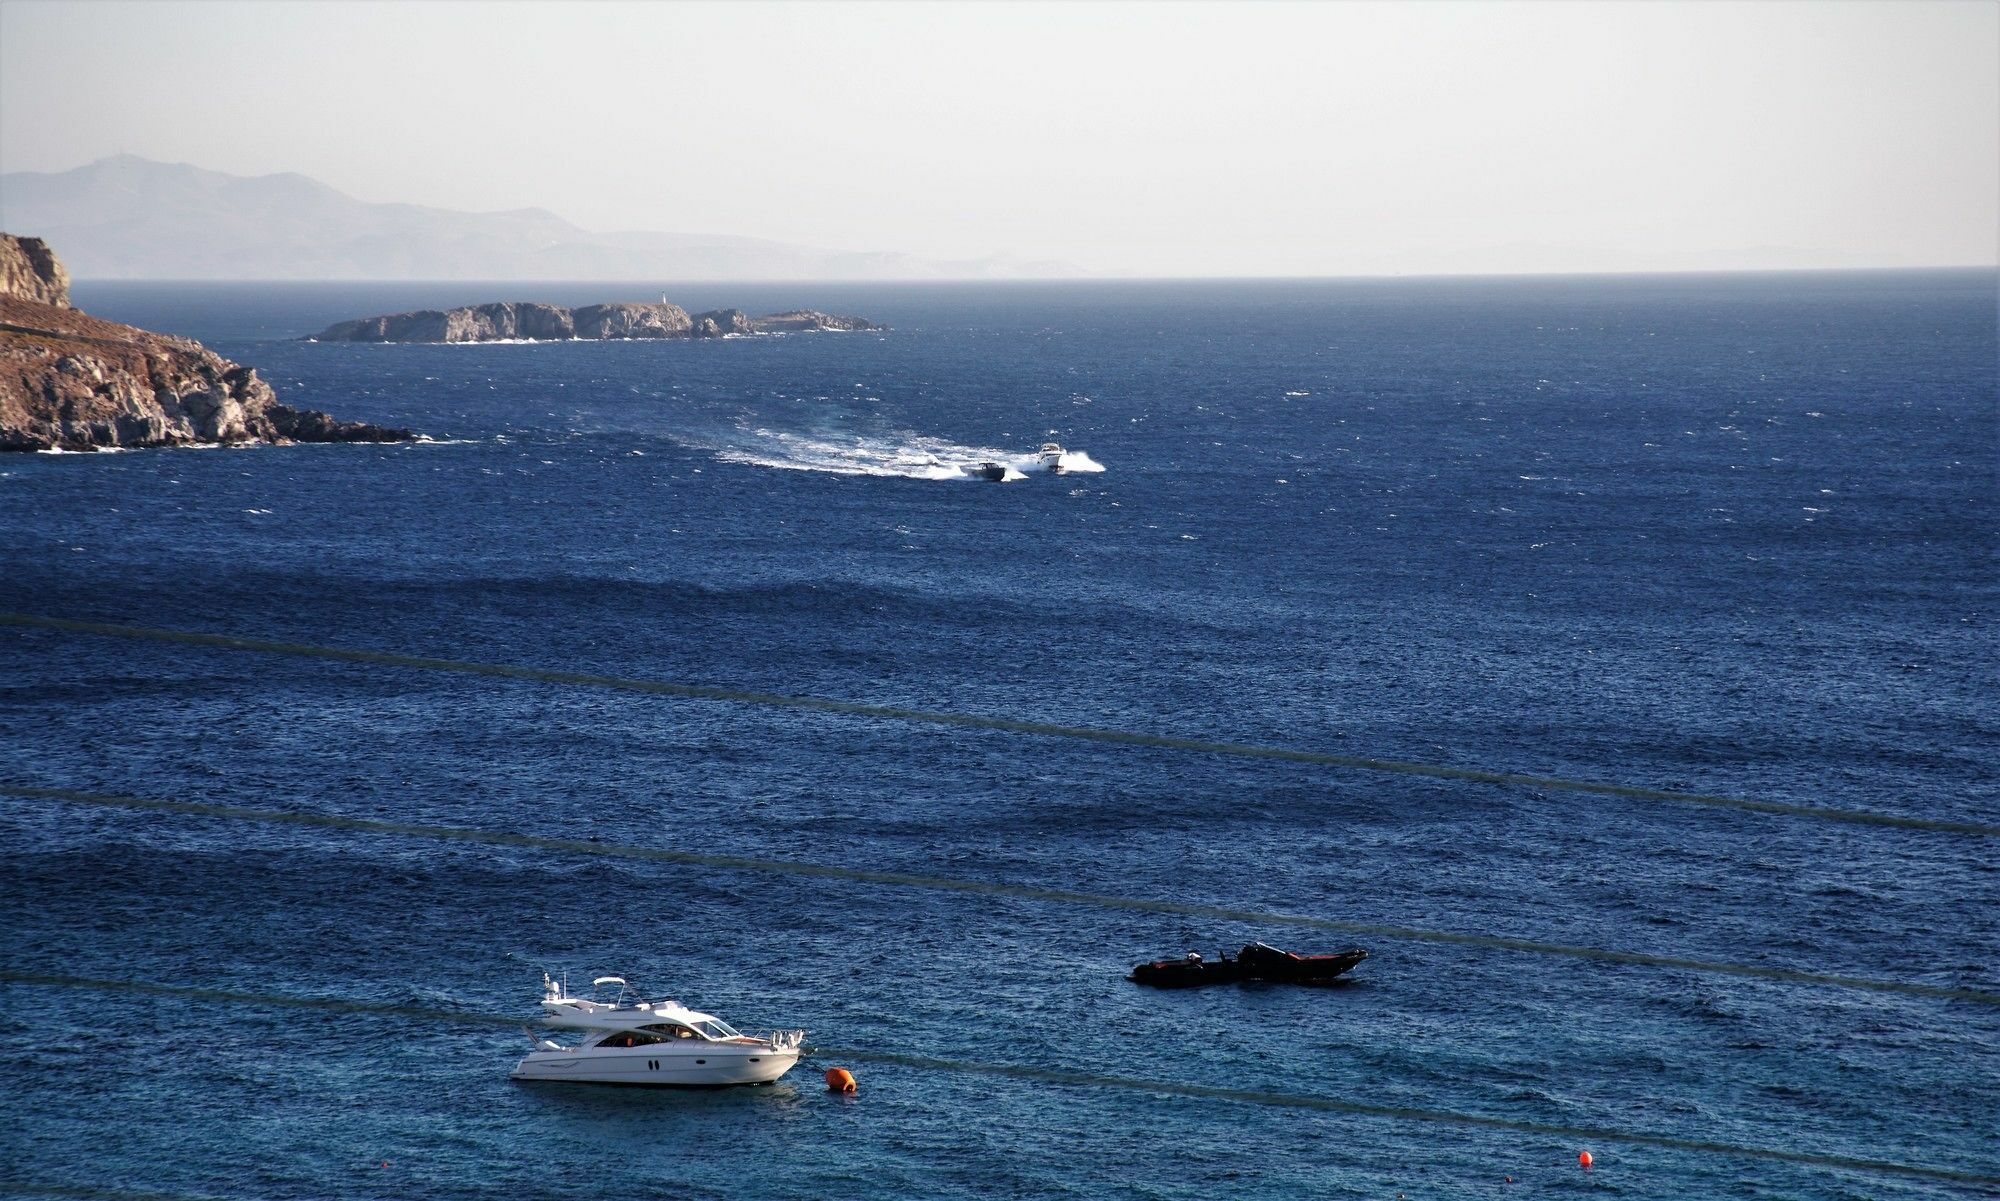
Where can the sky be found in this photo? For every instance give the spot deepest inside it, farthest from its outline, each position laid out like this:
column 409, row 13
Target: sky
column 1128, row 138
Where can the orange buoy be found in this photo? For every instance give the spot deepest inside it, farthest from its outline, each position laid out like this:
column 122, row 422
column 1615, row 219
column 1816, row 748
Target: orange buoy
column 1583, row 1157
column 840, row 1080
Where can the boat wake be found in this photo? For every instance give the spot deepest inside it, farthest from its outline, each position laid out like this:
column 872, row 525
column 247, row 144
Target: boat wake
column 895, row 454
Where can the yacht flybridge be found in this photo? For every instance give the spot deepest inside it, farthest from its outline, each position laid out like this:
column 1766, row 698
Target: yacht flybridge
column 631, row 1041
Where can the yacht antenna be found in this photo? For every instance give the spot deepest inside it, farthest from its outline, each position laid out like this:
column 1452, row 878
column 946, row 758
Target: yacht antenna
column 549, row 973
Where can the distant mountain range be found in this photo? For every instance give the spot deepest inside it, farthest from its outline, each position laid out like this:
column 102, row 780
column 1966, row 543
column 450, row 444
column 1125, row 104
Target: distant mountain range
column 127, row 217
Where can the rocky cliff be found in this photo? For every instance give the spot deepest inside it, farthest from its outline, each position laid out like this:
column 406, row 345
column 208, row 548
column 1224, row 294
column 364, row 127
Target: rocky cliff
column 69, row 381
column 633, row 321
column 31, row 271
column 522, row 320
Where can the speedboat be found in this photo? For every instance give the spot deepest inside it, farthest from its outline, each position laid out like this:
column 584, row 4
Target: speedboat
column 1054, row 458
column 1256, row 962
column 661, row 1043
column 989, row 471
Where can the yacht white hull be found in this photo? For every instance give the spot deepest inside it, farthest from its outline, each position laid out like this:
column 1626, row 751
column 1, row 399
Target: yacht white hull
column 659, row 1065
column 1055, row 460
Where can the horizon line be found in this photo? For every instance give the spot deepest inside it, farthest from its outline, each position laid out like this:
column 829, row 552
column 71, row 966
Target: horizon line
column 1381, row 277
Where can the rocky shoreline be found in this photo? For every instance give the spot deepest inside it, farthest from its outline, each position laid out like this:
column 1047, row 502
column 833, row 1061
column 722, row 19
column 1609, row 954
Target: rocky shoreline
column 527, row 321
column 69, row 381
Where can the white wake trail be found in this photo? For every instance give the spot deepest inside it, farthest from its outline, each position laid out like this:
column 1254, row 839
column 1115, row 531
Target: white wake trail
column 901, row 454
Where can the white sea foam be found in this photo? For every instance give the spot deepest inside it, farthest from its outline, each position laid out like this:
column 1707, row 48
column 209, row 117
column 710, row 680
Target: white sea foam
column 891, row 453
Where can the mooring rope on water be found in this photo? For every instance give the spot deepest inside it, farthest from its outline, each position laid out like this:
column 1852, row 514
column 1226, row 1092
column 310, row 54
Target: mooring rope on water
column 1071, row 1078
column 577, row 846
column 36, row 1188
column 1004, row 724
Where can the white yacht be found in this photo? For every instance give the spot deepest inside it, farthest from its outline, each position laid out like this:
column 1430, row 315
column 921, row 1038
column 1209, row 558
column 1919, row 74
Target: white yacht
column 631, row 1041
column 1054, row 458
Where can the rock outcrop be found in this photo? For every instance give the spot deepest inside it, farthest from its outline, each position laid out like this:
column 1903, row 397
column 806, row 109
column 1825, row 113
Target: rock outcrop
column 519, row 320
column 721, row 323
column 31, row 271
column 632, row 321
column 69, row 381
column 480, row 323
column 811, row 320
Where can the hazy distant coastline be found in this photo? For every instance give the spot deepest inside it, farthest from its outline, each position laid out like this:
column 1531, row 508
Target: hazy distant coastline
column 127, row 217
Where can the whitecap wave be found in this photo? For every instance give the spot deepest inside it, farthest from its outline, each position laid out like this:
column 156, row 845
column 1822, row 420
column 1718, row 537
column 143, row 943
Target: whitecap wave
column 1076, row 462
column 898, row 454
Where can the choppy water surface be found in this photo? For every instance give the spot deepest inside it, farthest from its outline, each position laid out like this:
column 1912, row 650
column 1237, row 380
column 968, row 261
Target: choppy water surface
column 1731, row 536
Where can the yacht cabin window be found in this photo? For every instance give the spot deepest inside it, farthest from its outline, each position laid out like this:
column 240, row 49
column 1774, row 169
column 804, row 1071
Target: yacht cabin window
column 668, row 1031
column 632, row 1038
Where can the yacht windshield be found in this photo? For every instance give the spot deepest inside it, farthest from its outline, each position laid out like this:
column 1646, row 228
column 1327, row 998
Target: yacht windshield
column 717, row 1029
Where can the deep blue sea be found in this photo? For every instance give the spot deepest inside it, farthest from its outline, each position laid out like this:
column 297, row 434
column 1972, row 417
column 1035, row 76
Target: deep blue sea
column 1733, row 535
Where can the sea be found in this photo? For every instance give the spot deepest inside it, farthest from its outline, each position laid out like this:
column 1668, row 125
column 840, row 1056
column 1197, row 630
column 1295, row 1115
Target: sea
column 1612, row 658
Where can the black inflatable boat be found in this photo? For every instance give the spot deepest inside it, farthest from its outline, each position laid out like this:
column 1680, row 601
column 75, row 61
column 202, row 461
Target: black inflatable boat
column 1256, row 961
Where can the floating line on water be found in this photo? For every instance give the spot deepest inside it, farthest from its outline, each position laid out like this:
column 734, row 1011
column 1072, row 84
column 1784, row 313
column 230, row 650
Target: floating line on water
column 1402, row 1113
column 1005, row 724
column 1205, row 1092
column 575, row 846
column 30, row 1188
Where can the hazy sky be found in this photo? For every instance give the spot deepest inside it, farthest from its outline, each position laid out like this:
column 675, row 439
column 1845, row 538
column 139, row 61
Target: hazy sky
column 1151, row 138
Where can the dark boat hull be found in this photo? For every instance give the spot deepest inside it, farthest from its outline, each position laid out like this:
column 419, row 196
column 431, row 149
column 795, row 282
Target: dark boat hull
column 1255, row 962
column 1259, row 962
column 1182, row 973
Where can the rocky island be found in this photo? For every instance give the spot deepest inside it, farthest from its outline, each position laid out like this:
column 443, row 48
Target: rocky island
column 525, row 321
column 69, row 381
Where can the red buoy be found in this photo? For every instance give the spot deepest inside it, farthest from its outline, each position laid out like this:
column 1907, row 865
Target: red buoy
column 840, row 1080
column 1583, row 1157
